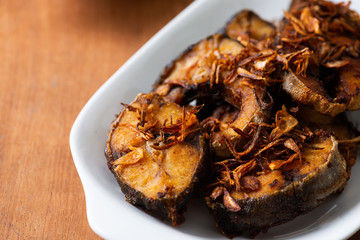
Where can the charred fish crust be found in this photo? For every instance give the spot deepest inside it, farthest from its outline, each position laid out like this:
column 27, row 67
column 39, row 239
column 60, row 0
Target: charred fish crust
column 165, row 209
column 227, row 222
column 256, row 214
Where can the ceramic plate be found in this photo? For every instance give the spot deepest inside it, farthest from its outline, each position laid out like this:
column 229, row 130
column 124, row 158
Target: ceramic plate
column 109, row 215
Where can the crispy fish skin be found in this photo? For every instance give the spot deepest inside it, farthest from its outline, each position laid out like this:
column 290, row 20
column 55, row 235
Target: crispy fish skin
column 283, row 200
column 160, row 180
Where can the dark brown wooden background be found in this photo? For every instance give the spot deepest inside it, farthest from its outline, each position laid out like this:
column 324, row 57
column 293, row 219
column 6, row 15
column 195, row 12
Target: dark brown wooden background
column 53, row 56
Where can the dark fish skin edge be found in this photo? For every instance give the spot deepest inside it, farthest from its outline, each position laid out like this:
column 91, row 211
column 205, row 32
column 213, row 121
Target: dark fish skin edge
column 232, row 224
column 170, row 66
column 301, row 197
column 170, row 209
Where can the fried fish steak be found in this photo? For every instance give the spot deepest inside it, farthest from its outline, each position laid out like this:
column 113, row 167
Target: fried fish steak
column 282, row 194
column 231, row 126
column 157, row 154
column 328, row 95
column 309, row 90
column 247, row 25
column 198, row 70
column 328, row 35
column 244, row 85
column 339, row 126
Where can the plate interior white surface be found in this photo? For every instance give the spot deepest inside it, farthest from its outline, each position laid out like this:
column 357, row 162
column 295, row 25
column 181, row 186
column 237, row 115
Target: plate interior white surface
column 108, row 213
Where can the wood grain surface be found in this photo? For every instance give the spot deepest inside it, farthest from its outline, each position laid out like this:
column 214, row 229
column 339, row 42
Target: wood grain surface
column 54, row 55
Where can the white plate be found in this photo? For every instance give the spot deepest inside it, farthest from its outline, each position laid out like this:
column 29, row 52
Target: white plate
column 108, row 213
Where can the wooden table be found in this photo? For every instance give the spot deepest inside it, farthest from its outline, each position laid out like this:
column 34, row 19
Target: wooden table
column 54, row 55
